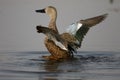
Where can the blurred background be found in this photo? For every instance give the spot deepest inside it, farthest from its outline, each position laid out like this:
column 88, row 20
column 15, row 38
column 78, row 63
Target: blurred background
column 18, row 22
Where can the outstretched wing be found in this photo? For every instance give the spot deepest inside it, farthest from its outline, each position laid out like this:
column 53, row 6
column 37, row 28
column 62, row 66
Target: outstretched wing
column 52, row 35
column 78, row 30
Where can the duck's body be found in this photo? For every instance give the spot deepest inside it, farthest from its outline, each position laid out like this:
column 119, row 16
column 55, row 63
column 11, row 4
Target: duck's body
column 62, row 46
column 53, row 48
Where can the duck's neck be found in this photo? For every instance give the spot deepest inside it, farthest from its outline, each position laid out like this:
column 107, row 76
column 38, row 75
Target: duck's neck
column 52, row 23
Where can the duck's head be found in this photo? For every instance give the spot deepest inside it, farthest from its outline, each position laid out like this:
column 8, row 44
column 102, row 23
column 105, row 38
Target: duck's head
column 50, row 11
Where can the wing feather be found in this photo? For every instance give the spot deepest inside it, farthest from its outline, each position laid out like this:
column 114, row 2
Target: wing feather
column 79, row 30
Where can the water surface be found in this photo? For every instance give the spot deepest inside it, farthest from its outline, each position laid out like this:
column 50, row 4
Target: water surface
column 88, row 65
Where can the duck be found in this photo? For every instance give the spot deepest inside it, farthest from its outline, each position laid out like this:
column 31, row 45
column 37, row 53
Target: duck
column 63, row 46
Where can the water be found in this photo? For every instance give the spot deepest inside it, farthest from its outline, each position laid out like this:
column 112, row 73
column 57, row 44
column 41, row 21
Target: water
column 88, row 65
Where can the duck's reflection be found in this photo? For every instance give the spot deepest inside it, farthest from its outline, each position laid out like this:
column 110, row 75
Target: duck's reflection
column 51, row 66
column 51, row 70
column 57, row 70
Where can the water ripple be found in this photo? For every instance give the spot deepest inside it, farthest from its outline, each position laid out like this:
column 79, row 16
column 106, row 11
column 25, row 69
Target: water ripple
column 87, row 65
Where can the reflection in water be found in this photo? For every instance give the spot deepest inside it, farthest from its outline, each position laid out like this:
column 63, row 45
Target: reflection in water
column 59, row 68
column 86, row 66
column 51, row 66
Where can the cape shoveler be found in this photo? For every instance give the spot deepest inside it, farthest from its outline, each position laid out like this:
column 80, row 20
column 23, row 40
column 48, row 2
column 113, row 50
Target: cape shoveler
column 62, row 46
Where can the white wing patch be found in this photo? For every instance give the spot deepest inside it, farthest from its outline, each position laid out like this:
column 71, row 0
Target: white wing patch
column 72, row 29
column 56, row 42
column 59, row 44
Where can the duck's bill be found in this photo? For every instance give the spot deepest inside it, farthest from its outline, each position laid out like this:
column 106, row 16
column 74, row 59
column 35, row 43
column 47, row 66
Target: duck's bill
column 40, row 11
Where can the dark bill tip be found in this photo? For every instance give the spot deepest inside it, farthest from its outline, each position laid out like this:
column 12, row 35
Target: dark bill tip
column 40, row 11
